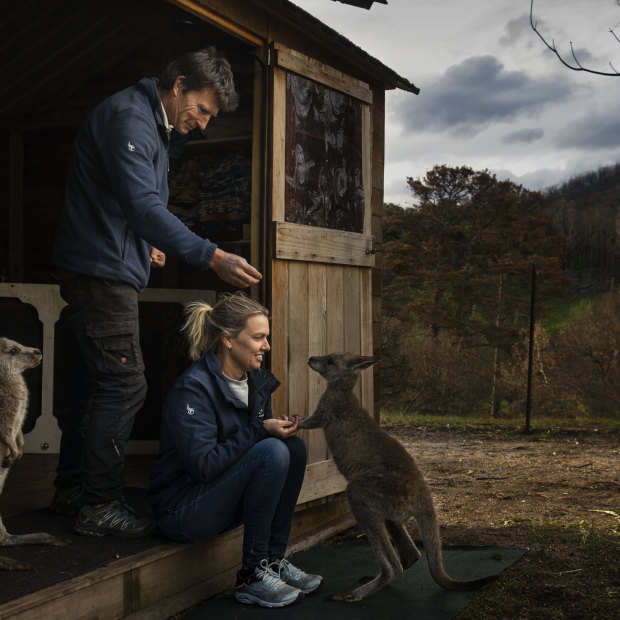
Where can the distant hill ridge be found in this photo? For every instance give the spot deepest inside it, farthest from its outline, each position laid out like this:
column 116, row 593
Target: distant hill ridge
column 586, row 210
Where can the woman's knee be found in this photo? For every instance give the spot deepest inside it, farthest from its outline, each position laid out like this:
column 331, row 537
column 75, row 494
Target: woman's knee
column 274, row 453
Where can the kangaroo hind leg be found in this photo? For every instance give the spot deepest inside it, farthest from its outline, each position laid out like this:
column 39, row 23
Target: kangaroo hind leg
column 407, row 550
column 376, row 531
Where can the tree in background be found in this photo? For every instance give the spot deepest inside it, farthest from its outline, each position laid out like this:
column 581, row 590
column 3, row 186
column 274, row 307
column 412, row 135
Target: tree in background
column 457, row 273
column 585, row 210
column 589, row 345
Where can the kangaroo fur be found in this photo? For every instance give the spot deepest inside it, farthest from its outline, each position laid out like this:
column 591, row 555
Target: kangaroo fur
column 385, row 487
column 14, row 359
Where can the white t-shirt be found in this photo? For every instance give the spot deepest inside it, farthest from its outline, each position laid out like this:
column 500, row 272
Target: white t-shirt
column 239, row 388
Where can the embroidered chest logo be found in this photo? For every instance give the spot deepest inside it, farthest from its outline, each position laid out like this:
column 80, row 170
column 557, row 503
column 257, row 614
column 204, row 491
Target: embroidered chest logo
column 130, row 146
column 190, row 410
column 261, row 414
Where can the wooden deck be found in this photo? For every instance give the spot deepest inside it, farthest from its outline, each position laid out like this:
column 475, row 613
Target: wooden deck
column 156, row 583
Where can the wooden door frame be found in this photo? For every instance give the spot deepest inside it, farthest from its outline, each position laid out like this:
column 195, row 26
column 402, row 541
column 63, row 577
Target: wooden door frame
column 320, row 278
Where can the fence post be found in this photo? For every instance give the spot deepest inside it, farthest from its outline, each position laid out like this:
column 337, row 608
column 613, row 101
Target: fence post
column 528, row 405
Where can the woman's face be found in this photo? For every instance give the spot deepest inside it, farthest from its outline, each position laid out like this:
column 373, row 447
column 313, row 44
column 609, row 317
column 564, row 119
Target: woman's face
column 246, row 350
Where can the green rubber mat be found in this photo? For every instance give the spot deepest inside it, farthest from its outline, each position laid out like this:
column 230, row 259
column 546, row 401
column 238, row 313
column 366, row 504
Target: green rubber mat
column 413, row 594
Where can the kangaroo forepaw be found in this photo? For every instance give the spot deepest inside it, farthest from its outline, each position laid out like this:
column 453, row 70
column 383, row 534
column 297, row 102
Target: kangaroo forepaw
column 48, row 539
column 11, row 564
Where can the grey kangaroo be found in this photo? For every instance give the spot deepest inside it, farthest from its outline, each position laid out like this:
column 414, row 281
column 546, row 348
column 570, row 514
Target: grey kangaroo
column 385, row 487
column 14, row 359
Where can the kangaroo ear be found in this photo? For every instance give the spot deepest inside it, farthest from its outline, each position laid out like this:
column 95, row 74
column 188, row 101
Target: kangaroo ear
column 363, row 362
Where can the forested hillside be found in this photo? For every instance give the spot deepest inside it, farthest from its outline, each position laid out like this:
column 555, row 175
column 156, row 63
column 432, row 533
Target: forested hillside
column 586, row 211
column 457, row 288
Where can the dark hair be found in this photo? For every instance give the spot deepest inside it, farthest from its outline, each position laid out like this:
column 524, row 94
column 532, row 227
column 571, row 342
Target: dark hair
column 206, row 68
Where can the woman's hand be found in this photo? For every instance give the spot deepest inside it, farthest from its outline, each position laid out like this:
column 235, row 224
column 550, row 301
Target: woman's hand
column 282, row 427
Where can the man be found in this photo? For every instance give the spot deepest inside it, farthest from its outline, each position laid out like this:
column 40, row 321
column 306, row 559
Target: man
column 114, row 226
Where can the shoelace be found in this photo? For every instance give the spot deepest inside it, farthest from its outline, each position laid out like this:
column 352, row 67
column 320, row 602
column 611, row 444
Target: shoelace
column 268, row 576
column 293, row 571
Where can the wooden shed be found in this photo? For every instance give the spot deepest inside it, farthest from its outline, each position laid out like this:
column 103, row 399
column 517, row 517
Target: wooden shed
column 292, row 180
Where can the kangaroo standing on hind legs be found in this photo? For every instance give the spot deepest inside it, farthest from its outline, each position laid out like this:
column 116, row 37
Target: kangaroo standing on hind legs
column 385, row 487
column 14, row 359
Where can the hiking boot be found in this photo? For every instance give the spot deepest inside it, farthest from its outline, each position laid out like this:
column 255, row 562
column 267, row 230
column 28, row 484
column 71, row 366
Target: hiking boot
column 67, row 501
column 295, row 577
column 114, row 518
column 265, row 588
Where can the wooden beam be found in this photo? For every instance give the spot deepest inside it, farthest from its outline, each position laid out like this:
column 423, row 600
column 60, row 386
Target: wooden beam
column 321, row 245
column 218, row 20
column 366, row 167
column 258, row 174
column 278, row 142
column 310, row 68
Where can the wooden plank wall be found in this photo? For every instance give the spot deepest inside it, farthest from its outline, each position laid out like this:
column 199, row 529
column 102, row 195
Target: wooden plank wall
column 317, row 309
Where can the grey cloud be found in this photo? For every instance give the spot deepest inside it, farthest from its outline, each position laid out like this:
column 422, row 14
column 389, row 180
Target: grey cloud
column 524, row 135
column 474, row 94
column 595, row 131
column 515, row 29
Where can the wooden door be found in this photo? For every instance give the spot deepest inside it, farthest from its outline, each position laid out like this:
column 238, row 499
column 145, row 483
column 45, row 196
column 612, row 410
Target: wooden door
column 321, row 246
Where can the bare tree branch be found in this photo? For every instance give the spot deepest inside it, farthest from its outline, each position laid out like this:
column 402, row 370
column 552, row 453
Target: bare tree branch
column 577, row 66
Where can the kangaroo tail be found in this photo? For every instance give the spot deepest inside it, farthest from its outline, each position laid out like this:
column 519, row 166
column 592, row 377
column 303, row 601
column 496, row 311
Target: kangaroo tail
column 427, row 522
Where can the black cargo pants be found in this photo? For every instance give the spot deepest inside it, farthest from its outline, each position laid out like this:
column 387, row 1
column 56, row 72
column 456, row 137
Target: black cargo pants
column 108, row 387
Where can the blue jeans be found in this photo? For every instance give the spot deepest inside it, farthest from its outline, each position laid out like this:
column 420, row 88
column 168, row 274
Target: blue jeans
column 260, row 491
column 107, row 386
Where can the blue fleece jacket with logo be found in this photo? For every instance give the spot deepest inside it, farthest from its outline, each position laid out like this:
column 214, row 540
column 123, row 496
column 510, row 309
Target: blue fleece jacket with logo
column 205, row 429
column 117, row 192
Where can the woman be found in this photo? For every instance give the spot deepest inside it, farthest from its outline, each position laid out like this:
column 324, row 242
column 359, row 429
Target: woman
column 224, row 459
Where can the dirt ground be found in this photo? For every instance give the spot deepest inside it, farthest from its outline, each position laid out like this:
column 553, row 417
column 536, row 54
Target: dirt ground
column 558, row 496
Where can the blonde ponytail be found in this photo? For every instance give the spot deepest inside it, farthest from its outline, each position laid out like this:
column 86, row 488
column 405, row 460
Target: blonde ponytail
column 195, row 328
column 205, row 325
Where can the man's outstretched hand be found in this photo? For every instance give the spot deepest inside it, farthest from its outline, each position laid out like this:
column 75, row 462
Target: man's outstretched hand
column 234, row 269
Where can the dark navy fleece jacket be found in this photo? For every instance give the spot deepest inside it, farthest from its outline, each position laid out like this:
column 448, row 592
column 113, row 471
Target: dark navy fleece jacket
column 205, row 429
column 117, row 192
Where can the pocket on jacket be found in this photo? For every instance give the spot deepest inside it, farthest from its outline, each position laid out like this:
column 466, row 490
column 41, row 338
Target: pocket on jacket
column 118, row 347
column 127, row 241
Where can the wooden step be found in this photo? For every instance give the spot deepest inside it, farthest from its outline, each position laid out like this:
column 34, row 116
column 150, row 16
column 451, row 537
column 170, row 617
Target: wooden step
column 166, row 579
column 169, row 578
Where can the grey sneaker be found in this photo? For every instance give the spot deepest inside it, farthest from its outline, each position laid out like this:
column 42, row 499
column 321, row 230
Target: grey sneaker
column 266, row 589
column 295, row 577
column 115, row 518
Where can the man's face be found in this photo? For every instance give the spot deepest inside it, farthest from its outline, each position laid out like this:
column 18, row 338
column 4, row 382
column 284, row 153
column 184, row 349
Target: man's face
column 191, row 109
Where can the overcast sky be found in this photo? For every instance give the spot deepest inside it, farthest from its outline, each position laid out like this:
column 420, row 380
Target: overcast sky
column 491, row 95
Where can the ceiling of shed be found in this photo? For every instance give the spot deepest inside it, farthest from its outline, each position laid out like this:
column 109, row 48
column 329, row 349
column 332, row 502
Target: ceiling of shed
column 62, row 54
